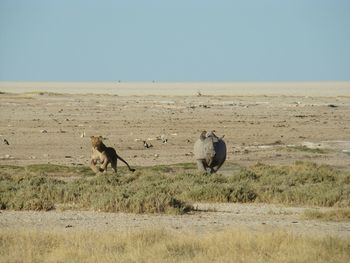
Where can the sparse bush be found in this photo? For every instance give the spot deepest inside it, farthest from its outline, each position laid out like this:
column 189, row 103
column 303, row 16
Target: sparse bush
column 28, row 192
column 170, row 190
column 302, row 183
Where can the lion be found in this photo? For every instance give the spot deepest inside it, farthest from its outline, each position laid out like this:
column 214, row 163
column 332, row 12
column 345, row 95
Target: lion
column 104, row 154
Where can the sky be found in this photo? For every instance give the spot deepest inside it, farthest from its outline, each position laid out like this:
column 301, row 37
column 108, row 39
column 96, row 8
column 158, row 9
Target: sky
column 174, row 41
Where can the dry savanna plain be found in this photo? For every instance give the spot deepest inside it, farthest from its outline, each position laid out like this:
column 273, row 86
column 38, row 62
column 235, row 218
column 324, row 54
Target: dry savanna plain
column 283, row 194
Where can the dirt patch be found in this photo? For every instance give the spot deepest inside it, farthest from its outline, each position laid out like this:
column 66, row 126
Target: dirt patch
column 209, row 218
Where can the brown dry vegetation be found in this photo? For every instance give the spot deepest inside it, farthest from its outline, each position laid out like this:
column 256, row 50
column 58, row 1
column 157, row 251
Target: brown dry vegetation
column 164, row 246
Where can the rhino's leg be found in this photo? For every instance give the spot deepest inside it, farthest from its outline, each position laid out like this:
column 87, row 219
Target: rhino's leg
column 216, row 168
column 202, row 166
column 212, row 170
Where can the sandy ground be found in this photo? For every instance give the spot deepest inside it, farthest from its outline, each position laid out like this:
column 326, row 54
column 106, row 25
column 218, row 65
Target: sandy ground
column 254, row 217
column 324, row 89
column 47, row 127
column 42, row 127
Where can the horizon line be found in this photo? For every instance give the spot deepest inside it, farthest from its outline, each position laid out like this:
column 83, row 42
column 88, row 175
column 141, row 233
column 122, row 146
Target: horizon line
column 166, row 81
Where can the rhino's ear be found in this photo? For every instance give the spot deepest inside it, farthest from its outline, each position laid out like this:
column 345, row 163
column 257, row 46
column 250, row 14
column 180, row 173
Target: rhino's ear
column 212, row 134
column 203, row 135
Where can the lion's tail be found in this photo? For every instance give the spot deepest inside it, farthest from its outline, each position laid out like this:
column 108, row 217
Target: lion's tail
column 120, row 158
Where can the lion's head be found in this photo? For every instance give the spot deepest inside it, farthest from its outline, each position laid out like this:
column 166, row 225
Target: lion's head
column 97, row 143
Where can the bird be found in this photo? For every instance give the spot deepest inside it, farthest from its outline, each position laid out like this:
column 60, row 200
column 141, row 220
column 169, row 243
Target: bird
column 163, row 138
column 146, row 145
column 6, row 142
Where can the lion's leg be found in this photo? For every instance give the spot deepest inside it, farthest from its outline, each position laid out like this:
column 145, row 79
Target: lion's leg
column 93, row 165
column 114, row 165
column 104, row 163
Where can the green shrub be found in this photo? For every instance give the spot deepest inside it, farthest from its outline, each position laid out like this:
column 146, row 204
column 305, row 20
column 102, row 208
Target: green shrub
column 170, row 189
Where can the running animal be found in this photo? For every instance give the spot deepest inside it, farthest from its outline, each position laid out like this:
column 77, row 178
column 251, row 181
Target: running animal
column 210, row 152
column 105, row 155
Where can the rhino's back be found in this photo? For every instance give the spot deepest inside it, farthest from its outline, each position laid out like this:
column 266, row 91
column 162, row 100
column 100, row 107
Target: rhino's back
column 220, row 150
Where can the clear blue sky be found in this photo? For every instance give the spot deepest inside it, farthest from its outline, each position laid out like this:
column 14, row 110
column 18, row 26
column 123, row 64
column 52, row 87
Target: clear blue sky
column 178, row 40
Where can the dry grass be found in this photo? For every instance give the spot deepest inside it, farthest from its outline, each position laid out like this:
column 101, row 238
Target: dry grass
column 337, row 215
column 165, row 246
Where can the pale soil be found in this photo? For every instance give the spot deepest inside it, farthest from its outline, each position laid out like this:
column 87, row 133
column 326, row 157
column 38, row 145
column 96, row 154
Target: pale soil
column 322, row 89
column 214, row 217
column 49, row 128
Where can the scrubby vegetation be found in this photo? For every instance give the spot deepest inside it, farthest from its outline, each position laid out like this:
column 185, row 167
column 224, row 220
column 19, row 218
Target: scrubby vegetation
column 302, row 183
column 169, row 189
column 163, row 246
